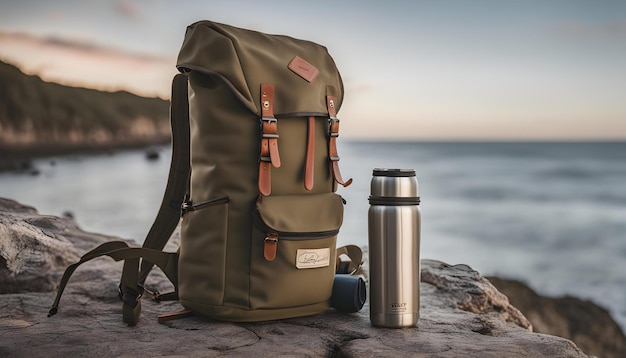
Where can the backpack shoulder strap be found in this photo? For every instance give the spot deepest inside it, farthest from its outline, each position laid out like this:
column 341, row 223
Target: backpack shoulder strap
column 168, row 217
column 169, row 213
column 129, row 292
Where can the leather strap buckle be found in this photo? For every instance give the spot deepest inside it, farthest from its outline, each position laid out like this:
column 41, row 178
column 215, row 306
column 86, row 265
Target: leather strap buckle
column 269, row 155
column 333, row 133
column 333, row 130
column 269, row 246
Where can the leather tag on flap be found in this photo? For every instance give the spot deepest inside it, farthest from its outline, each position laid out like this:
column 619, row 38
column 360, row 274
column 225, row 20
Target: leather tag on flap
column 303, row 69
column 312, row 258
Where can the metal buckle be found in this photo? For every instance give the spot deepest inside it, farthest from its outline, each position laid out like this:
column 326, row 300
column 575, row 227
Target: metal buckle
column 156, row 295
column 331, row 121
column 268, row 120
column 131, row 297
column 186, row 207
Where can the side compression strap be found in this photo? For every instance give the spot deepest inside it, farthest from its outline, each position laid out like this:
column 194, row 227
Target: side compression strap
column 356, row 260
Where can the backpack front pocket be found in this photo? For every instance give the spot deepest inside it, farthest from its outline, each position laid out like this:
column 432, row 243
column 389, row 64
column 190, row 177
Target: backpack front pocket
column 294, row 250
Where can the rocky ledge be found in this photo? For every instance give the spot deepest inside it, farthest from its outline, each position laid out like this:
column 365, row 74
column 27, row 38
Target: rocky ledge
column 462, row 313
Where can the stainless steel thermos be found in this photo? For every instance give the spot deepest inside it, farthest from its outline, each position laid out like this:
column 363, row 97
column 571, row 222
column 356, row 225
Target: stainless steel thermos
column 394, row 245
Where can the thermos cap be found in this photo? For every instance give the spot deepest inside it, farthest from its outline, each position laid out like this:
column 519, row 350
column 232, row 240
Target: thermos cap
column 394, row 183
column 378, row 172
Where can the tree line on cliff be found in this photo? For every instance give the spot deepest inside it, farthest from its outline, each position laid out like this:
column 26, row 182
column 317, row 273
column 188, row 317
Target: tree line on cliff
column 39, row 116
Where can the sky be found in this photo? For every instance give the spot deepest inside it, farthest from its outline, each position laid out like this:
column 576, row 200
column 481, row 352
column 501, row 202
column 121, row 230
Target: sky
column 426, row 70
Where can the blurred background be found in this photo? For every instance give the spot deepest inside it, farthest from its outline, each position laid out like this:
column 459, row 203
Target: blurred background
column 513, row 114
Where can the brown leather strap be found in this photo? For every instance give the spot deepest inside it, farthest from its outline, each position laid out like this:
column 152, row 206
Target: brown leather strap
column 309, row 166
column 265, row 179
column 332, row 141
column 174, row 315
column 269, row 139
column 270, row 126
column 269, row 247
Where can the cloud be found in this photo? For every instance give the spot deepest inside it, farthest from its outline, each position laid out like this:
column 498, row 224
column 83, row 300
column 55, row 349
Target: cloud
column 580, row 29
column 68, row 44
column 57, row 16
column 85, row 64
column 127, row 9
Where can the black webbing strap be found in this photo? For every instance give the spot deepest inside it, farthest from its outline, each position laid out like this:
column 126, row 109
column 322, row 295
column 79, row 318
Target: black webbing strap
column 130, row 292
column 355, row 254
column 168, row 217
column 169, row 213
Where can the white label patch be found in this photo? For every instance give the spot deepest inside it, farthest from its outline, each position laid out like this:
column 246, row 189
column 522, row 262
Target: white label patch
column 311, row 258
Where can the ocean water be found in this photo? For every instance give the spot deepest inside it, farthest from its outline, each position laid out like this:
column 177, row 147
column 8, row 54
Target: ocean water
column 550, row 214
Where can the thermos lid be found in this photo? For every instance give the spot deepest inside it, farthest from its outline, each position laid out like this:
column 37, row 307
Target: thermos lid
column 378, row 172
column 394, row 187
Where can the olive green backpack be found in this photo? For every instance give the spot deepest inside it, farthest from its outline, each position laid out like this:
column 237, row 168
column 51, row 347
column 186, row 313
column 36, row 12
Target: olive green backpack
column 253, row 175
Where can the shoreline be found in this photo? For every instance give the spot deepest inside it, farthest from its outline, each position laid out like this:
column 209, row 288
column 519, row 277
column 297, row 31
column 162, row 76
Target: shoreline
column 19, row 158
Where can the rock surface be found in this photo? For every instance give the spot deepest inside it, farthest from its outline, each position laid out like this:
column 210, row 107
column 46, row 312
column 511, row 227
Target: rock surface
column 462, row 314
column 34, row 248
column 587, row 324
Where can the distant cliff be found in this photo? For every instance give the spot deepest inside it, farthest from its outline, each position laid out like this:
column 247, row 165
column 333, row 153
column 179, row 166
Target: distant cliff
column 40, row 117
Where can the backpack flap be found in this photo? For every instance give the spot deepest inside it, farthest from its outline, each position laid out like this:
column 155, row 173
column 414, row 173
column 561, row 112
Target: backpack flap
column 301, row 213
column 245, row 59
